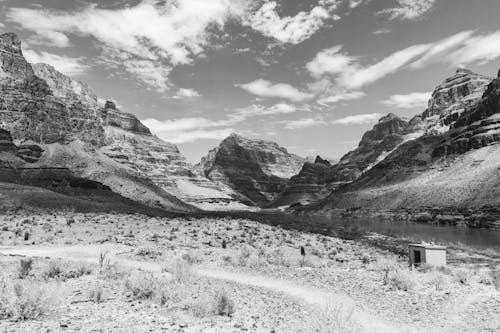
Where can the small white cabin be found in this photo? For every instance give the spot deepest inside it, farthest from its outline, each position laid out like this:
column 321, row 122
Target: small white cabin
column 430, row 254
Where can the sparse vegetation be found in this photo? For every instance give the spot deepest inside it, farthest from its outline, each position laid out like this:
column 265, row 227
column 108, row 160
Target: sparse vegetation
column 224, row 305
column 333, row 318
column 25, row 266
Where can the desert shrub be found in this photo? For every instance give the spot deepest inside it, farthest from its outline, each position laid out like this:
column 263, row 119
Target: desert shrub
column 463, row 275
column 365, row 258
column 332, row 317
column 53, row 270
column 84, row 269
column 402, row 280
column 191, row 258
column 202, row 307
column 26, row 235
column 223, row 304
column 438, row 280
column 141, row 287
column 96, row 293
column 227, row 260
column 387, row 267
column 148, row 252
column 25, row 300
column 104, row 261
column 25, row 266
column 495, row 276
column 243, row 256
column 277, row 258
column 70, row 220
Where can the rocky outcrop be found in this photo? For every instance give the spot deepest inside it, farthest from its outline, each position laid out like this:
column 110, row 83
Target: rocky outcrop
column 440, row 170
column 126, row 121
column 257, row 169
column 6, row 144
column 455, row 95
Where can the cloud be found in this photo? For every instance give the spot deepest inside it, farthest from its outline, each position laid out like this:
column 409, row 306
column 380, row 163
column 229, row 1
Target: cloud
column 347, row 73
column 340, row 97
column 409, row 101
column 184, row 130
column 289, row 29
column 358, row 119
column 154, row 31
column 409, row 9
column 264, row 88
column 260, row 110
column 302, row 123
column 186, row 93
column 152, row 73
column 382, row 31
column 67, row 65
column 350, row 74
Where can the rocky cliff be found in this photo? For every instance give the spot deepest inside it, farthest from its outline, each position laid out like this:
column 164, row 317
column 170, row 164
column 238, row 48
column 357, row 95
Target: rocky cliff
column 257, row 169
column 317, row 180
column 455, row 169
column 51, row 121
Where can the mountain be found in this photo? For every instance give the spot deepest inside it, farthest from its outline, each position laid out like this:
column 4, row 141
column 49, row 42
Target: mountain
column 58, row 127
column 452, row 168
column 257, row 169
column 316, row 180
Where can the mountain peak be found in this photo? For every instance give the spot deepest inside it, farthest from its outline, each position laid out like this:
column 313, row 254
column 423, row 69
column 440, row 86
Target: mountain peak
column 10, row 42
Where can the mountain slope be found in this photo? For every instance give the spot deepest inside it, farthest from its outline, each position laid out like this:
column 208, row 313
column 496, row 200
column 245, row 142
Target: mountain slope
column 256, row 169
column 454, row 169
column 58, row 122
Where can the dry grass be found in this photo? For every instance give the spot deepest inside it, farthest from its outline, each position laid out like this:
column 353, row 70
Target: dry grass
column 403, row 280
column 333, row 318
column 26, row 299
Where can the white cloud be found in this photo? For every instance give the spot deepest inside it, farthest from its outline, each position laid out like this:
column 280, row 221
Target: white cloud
column 152, row 73
column 302, row 123
column 409, row 9
column 347, row 72
column 290, row 29
column 382, row 31
column 340, row 97
column 186, row 93
column 260, row 110
column 67, row 65
column 358, row 119
column 187, row 129
column 172, row 31
column 264, row 88
column 409, row 101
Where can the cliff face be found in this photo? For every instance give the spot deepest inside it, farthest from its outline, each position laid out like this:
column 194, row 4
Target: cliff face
column 257, row 169
column 316, row 180
column 455, row 168
column 51, row 121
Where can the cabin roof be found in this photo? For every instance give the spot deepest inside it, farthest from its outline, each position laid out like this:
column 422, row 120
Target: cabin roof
column 428, row 246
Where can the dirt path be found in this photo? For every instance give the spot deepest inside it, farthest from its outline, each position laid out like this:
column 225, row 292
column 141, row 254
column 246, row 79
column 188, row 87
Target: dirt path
column 316, row 297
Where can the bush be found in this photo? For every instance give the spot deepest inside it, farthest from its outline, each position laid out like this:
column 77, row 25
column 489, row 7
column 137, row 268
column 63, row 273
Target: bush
column 495, row 275
column 25, row 300
column 438, row 280
column 223, row 306
column 141, row 287
column 243, row 256
column 333, row 317
column 26, row 235
column 53, row 270
column 25, row 266
column 365, row 258
column 463, row 275
column 403, row 280
column 96, row 293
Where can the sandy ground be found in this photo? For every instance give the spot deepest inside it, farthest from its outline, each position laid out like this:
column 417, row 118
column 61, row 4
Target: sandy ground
column 273, row 287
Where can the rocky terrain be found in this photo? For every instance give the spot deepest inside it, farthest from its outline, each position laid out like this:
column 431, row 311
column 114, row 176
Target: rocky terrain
column 113, row 272
column 257, row 169
column 53, row 123
column 452, row 165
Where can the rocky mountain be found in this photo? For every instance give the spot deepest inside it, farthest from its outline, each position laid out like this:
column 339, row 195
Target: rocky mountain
column 317, row 180
column 257, row 169
column 53, row 124
column 453, row 168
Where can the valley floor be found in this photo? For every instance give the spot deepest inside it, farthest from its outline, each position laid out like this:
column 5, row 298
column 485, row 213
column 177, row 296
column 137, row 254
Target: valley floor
column 132, row 273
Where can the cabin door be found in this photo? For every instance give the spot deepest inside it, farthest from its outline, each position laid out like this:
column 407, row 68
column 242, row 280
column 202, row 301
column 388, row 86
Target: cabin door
column 417, row 258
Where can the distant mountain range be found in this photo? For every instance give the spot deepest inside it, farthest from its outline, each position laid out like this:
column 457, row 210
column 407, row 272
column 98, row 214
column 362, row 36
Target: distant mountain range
column 60, row 146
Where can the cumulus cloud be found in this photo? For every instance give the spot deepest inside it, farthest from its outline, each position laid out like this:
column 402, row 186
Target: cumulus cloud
column 289, row 29
column 152, row 30
column 409, row 9
column 409, row 101
column 186, row 93
column 382, row 31
column 264, row 88
column 260, row 110
column 67, row 65
column 358, row 119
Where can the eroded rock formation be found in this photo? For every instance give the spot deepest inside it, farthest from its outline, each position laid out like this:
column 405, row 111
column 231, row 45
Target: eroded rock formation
column 257, row 169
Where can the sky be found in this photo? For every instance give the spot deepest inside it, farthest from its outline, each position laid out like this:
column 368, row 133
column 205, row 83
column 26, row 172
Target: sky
column 312, row 75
